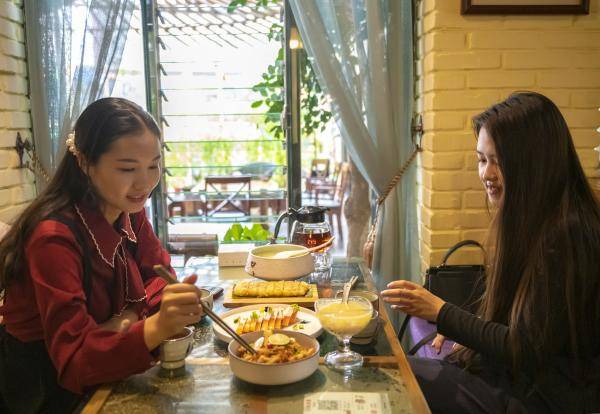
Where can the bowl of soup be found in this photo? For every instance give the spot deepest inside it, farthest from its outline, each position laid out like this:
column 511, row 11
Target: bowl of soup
column 283, row 357
column 266, row 262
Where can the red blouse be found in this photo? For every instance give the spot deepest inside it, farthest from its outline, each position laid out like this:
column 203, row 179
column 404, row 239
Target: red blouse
column 50, row 304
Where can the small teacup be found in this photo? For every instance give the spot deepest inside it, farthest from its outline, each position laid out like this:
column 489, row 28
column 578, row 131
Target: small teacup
column 369, row 333
column 174, row 350
column 206, row 296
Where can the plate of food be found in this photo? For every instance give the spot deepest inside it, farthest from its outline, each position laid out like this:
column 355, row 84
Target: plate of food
column 282, row 357
column 257, row 318
column 254, row 292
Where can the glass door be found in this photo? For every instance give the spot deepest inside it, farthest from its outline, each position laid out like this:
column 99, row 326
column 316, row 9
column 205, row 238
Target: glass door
column 214, row 67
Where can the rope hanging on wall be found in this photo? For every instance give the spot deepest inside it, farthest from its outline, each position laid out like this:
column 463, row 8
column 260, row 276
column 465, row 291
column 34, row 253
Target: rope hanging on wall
column 369, row 246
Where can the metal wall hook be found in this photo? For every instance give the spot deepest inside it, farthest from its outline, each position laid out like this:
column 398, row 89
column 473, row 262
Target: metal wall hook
column 21, row 146
column 33, row 164
column 417, row 129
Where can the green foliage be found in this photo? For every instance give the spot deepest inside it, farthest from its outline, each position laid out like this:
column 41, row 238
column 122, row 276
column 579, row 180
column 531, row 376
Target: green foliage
column 313, row 104
column 237, row 232
column 218, row 155
column 234, row 4
column 271, row 91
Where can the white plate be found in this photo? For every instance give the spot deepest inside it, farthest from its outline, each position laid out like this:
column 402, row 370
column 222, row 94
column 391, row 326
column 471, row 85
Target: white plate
column 312, row 328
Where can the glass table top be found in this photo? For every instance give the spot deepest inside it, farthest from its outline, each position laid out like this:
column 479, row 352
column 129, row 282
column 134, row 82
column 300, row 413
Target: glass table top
column 208, row 384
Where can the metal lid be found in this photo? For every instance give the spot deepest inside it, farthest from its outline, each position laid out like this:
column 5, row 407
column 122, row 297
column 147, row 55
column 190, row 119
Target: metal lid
column 311, row 214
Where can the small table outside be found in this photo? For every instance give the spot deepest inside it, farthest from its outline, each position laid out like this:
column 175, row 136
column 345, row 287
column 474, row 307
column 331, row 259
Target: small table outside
column 243, row 183
column 210, row 386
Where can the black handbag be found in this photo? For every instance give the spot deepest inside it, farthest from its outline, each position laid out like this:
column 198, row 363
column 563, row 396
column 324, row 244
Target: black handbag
column 461, row 285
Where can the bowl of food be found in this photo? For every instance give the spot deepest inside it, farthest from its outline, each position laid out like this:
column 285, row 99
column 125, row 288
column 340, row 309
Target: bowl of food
column 280, row 262
column 282, row 357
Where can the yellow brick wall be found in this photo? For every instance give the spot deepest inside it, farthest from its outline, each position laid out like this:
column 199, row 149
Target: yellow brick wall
column 16, row 185
column 465, row 64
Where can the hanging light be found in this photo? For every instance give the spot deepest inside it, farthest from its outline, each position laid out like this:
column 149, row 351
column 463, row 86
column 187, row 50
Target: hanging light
column 295, row 42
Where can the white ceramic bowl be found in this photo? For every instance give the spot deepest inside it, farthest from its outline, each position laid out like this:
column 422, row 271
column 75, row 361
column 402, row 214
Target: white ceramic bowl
column 263, row 265
column 274, row 374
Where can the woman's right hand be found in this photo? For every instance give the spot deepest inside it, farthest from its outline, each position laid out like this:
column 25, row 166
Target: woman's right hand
column 180, row 306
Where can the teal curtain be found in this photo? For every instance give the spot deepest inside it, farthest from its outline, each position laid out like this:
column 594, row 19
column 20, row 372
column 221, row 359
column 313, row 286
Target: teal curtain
column 361, row 51
column 74, row 52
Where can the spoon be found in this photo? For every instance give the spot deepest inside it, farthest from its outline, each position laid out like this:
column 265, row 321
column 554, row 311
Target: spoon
column 286, row 254
column 347, row 287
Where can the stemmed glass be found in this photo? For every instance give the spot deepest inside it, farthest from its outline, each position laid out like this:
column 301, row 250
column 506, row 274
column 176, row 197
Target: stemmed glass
column 344, row 320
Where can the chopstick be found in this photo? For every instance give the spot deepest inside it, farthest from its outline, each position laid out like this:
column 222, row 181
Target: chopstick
column 227, row 328
column 164, row 273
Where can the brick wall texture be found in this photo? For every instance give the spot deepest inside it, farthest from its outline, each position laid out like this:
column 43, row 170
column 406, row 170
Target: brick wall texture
column 16, row 185
column 467, row 63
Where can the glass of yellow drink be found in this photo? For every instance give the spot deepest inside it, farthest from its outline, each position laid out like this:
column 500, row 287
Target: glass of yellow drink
column 344, row 320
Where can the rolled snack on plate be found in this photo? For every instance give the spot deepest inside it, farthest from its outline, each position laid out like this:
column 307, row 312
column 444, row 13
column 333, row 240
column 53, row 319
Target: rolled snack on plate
column 270, row 289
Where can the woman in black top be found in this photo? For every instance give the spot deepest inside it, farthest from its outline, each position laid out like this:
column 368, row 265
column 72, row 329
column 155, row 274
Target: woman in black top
column 535, row 344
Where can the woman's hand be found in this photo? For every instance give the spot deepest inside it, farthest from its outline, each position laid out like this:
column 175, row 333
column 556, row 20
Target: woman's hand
column 438, row 342
column 413, row 299
column 180, row 306
column 120, row 323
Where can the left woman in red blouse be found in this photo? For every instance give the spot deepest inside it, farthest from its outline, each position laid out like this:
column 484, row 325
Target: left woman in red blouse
column 82, row 305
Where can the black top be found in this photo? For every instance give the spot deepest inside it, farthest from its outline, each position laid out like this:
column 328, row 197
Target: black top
column 558, row 384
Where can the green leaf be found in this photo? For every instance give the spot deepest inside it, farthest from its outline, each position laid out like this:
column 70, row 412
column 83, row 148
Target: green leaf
column 247, row 234
column 277, row 106
column 258, row 232
column 234, row 233
column 256, row 104
column 235, row 4
column 262, row 235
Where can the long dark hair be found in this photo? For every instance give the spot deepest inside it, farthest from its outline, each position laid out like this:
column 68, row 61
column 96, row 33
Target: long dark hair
column 99, row 125
column 546, row 234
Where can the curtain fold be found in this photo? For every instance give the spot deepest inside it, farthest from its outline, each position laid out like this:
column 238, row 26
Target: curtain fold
column 361, row 51
column 74, row 52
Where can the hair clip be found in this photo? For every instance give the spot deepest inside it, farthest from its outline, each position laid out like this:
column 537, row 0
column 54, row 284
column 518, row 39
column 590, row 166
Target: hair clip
column 70, row 142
